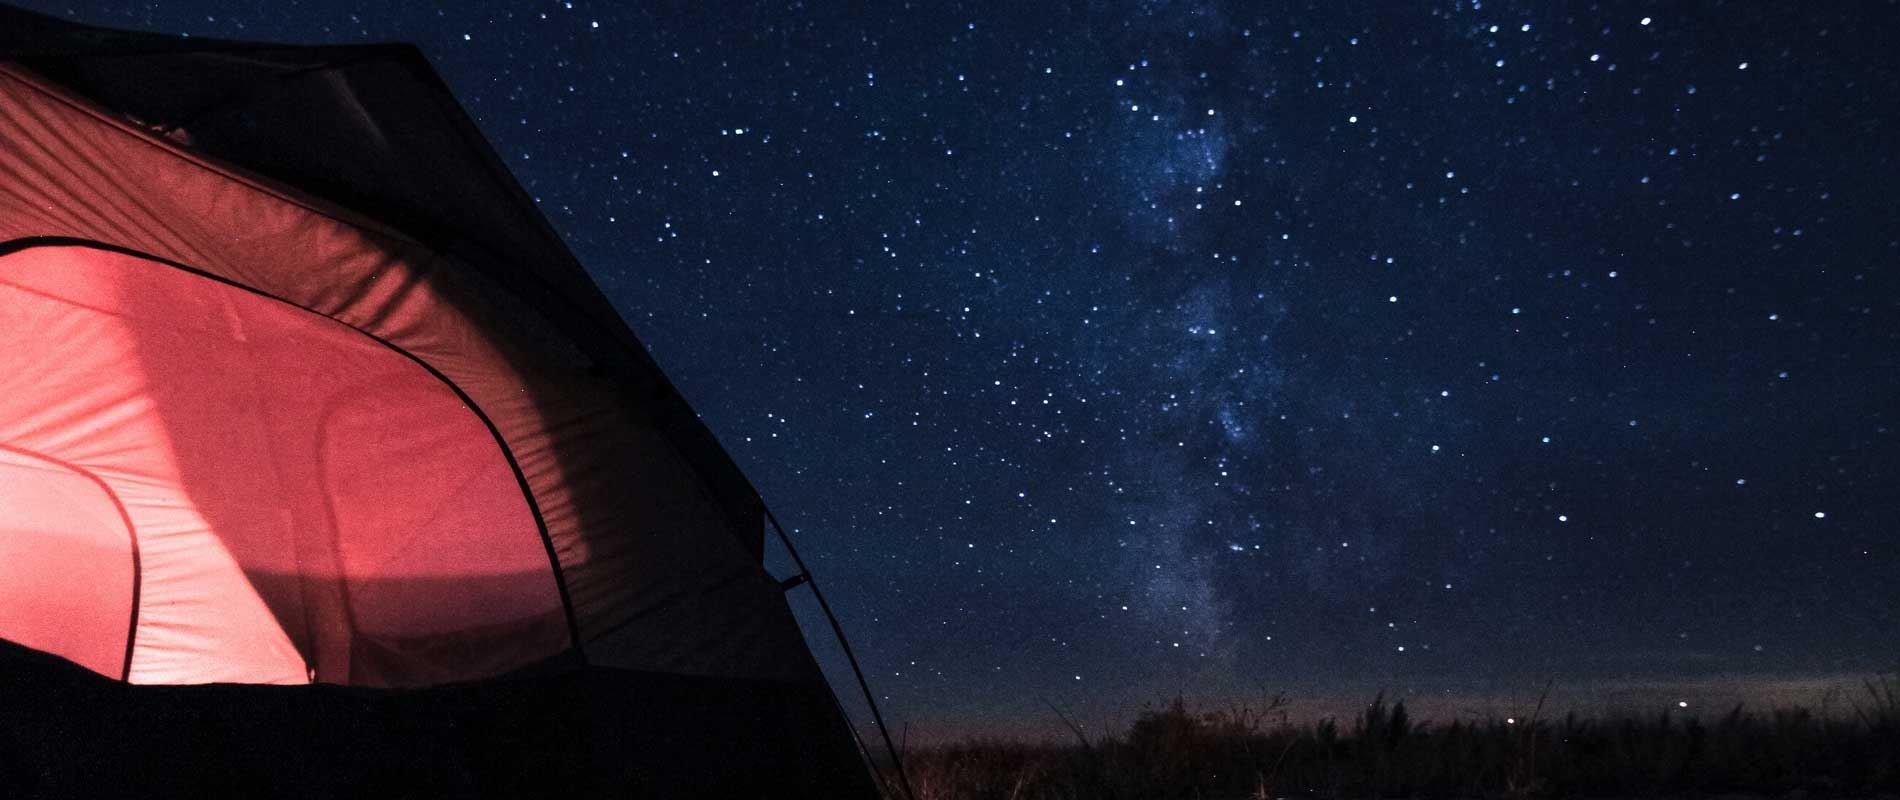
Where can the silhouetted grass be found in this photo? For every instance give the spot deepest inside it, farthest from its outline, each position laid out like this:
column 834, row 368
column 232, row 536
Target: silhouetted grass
column 1172, row 752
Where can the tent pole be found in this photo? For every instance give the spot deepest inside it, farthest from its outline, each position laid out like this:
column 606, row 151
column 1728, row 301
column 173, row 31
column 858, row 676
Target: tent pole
column 903, row 777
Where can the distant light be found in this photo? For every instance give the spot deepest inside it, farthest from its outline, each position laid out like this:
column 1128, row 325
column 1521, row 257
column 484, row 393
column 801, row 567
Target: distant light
column 1354, row 118
column 1820, row 515
column 1510, row 720
column 1392, row 299
column 1645, row 20
column 1563, row 518
column 1743, row 65
column 1682, row 704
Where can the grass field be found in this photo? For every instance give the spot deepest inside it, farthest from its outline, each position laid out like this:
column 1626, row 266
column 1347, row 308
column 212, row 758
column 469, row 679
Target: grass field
column 1174, row 751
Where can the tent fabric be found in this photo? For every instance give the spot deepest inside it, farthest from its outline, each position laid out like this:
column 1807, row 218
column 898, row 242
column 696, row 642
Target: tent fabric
column 371, row 128
column 429, row 569
column 298, row 387
column 645, row 555
column 64, row 528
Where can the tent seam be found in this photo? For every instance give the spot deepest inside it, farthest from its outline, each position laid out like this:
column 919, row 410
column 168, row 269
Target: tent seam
column 131, row 533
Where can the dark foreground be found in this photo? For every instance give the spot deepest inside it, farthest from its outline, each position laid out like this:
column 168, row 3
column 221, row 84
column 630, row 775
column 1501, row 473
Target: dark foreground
column 566, row 732
column 1170, row 752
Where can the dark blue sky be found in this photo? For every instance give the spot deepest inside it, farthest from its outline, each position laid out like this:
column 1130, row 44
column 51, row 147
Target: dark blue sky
column 1113, row 351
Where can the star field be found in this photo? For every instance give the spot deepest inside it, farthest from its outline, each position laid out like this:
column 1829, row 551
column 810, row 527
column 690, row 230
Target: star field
column 1113, row 351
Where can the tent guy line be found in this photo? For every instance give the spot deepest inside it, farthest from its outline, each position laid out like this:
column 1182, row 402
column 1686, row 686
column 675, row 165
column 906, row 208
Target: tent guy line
column 804, row 576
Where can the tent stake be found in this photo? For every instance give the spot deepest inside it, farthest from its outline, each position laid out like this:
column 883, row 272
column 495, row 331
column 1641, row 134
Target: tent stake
column 903, row 777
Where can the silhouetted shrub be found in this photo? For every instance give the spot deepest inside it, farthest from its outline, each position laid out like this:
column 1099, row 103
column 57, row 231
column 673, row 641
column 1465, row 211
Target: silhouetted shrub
column 1173, row 751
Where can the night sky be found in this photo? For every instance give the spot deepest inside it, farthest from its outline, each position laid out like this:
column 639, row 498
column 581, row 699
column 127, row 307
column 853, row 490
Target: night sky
column 1150, row 348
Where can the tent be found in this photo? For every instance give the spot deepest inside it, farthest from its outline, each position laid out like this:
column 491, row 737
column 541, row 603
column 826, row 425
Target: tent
column 326, row 468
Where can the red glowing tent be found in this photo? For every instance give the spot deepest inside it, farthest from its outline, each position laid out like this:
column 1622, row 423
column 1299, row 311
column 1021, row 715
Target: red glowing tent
column 297, row 387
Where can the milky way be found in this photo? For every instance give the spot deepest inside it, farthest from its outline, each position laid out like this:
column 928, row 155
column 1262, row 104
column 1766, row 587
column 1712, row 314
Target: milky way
column 1105, row 353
